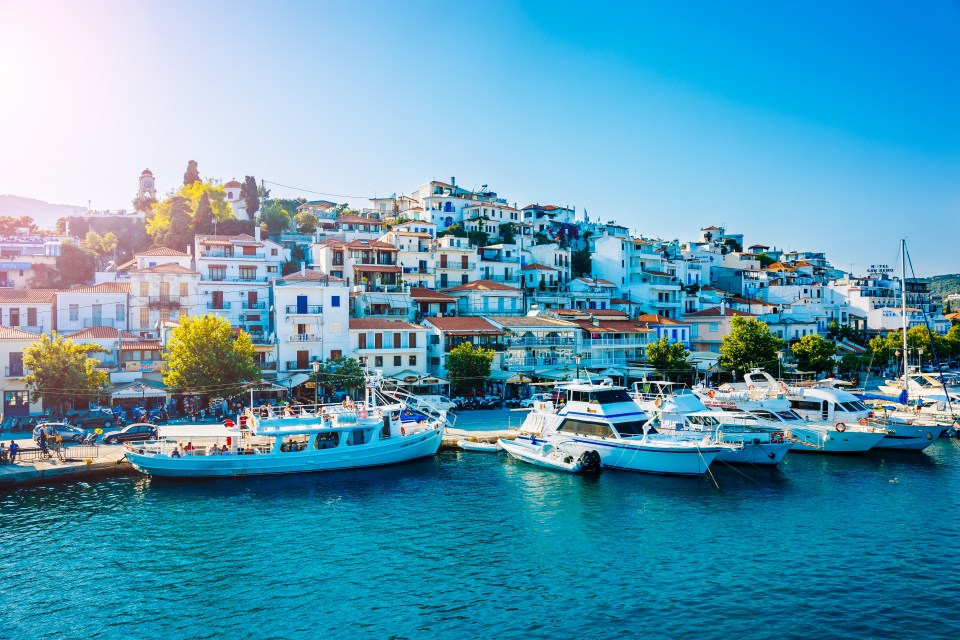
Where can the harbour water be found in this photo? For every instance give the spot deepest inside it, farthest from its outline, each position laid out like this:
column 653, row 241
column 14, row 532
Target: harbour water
column 469, row 545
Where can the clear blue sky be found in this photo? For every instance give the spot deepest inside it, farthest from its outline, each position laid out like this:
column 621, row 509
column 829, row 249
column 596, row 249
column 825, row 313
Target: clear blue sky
column 821, row 126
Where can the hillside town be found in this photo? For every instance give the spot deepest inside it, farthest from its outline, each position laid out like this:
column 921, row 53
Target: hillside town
column 397, row 285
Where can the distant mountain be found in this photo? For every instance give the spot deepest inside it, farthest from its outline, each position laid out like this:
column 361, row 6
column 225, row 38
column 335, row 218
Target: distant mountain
column 945, row 285
column 43, row 213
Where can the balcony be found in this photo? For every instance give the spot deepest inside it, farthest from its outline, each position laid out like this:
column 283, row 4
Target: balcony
column 614, row 342
column 390, row 311
column 222, row 307
column 163, row 302
column 310, row 309
column 528, row 364
column 253, row 305
column 259, row 337
column 14, row 371
column 304, row 337
column 458, row 266
column 235, row 279
column 229, row 255
column 268, row 366
column 293, row 365
column 537, row 342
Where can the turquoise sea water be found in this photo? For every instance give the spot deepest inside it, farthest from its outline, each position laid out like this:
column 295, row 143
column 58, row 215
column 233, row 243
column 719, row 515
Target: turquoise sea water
column 477, row 546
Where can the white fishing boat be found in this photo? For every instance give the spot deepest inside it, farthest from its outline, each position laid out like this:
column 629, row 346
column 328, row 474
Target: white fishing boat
column 481, row 447
column 603, row 418
column 321, row 438
column 681, row 413
column 551, row 456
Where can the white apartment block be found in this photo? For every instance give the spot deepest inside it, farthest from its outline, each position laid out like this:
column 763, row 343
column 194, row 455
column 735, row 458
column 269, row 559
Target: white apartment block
column 160, row 293
column 414, row 257
column 312, row 320
column 456, row 262
column 371, row 264
column 31, row 310
column 99, row 305
column 395, row 347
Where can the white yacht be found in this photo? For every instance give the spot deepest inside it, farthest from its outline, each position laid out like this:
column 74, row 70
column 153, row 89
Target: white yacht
column 604, row 418
column 323, row 438
column 921, row 384
column 680, row 412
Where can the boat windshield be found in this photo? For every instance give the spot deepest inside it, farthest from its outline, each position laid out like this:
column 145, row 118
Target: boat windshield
column 605, row 396
column 630, row 428
column 788, row 415
column 587, row 428
column 853, row 407
column 703, row 421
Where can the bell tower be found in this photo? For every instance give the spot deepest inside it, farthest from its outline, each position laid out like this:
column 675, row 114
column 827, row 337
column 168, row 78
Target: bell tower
column 148, row 189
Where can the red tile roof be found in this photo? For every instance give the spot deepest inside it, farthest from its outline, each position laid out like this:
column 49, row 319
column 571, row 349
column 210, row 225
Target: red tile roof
column 612, row 326
column 169, row 267
column 536, row 266
column 714, row 312
column 358, row 244
column 653, row 318
column 605, row 312
column 483, row 285
column 310, row 275
column 163, row 251
column 621, row 301
column 105, row 287
column 102, row 333
column 530, row 321
column 27, row 295
column 376, row 324
column 421, row 294
column 465, row 326
column 13, row 333
column 377, row 268
column 233, row 184
column 243, row 238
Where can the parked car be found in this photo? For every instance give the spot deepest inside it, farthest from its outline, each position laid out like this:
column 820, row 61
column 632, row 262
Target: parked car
column 131, row 433
column 102, row 418
column 66, row 431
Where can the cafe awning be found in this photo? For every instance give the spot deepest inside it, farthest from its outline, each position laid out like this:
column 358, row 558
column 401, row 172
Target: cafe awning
column 139, row 389
column 406, row 377
column 519, row 379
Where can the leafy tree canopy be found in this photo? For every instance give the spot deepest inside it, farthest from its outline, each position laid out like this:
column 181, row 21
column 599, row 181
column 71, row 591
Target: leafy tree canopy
column 765, row 260
column 581, row 263
column 203, row 355
column 173, row 222
column 469, row 366
column 669, row 359
column 276, row 217
column 749, row 344
column 62, row 372
column 192, row 174
column 10, row 224
column 814, row 353
column 341, row 374
column 306, row 222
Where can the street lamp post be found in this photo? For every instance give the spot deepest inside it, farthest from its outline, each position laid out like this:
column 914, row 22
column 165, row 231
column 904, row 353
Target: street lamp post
column 919, row 358
column 779, row 365
column 576, row 373
column 316, row 375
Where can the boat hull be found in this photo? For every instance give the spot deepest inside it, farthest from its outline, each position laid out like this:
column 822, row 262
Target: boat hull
column 767, row 453
column 832, row 441
column 526, row 451
column 910, row 437
column 630, row 455
column 379, row 453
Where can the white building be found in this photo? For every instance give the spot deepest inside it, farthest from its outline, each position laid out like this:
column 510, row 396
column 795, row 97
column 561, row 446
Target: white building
column 312, row 319
column 31, row 310
column 636, row 267
column 397, row 348
column 235, row 200
column 541, row 345
column 482, row 297
column 162, row 292
column 369, row 263
column 448, row 333
column 414, row 257
column 16, row 398
column 99, row 305
column 456, row 262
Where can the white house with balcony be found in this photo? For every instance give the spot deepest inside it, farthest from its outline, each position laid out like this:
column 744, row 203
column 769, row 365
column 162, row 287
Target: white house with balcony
column 162, row 255
column 449, row 333
column 414, row 257
column 235, row 275
column 31, row 310
column 455, row 262
column 637, row 268
column 99, row 305
column 369, row 263
column 16, row 399
column 312, row 311
column 537, row 344
column 443, row 203
column 163, row 292
column 396, row 347
column 482, row 297
column 612, row 347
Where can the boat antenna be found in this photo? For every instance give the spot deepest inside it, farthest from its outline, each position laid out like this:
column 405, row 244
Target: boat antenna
column 905, row 396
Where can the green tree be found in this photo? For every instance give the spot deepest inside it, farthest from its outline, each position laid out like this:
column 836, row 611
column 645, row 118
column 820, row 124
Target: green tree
column 478, row 238
column 765, row 260
column 581, row 264
column 92, row 241
column 340, row 374
column 75, row 265
column 298, row 255
column 306, row 222
column 838, row 332
column 952, row 340
column 814, row 353
column 192, row 174
column 172, row 223
column 203, row 220
column 508, row 233
column 276, row 218
column 731, row 245
column 469, row 366
column 669, row 359
column 62, row 372
column 749, row 344
column 251, row 196
column 202, row 354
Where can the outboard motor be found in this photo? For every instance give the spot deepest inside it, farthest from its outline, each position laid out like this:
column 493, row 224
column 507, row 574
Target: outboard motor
column 590, row 462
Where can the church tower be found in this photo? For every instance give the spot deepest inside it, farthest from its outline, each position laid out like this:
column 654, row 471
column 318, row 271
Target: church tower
column 148, row 190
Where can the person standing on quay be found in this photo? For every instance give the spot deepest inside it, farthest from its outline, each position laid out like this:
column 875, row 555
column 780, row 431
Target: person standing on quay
column 14, row 448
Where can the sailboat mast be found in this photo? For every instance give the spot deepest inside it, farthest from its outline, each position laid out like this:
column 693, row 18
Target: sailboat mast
column 903, row 305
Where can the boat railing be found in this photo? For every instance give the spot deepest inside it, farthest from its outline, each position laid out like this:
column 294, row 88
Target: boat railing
column 424, row 406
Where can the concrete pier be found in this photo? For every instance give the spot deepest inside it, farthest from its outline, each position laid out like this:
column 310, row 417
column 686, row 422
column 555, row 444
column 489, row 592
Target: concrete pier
column 110, row 460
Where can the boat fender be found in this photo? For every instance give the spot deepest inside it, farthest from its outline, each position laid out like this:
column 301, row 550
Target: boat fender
column 712, row 393
column 783, row 387
column 840, row 427
column 363, row 413
column 863, row 422
column 751, row 388
column 403, row 431
column 658, row 402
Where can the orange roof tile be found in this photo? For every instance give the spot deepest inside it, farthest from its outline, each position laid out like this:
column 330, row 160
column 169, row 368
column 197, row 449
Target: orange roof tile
column 376, row 324
column 537, row 266
column 310, row 275
column 163, row 251
column 13, row 333
column 714, row 312
column 105, row 287
column 420, row 294
column 102, row 333
column 483, row 285
column 27, row 295
column 464, row 325
column 530, row 321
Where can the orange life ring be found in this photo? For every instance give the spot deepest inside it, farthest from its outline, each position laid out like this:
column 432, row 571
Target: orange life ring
column 712, row 393
column 840, row 427
column 783, row 387
column 403, row 431
column 863, row 422
column 750, row 387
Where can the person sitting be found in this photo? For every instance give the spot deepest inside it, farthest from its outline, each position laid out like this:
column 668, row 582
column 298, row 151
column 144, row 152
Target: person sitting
column 214, row 451
column 224, row 451
column 175, row 453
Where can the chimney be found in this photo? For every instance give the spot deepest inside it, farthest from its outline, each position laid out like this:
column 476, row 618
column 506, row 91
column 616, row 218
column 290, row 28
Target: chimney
column 256, row 232
column 453, row 181
column 303, row 268
column 723, row 306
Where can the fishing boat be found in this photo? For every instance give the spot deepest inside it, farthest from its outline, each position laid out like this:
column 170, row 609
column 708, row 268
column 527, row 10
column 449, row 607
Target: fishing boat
column 551, row 456
column 482, row 447
column 681, row 413
column 328, row 437
column 602, row 417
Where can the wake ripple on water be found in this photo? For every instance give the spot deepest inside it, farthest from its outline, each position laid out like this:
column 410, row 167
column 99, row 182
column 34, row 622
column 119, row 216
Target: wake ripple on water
column 478, row 546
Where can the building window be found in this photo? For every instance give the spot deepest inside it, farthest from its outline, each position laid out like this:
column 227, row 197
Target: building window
column 397, row 361
column 413, row 361
column 334, row 301
column 248, row 273
column 336, row 327
column 378, row 361
column 335, row 354
column 74, row 312
column 273, row 252
column 184, row 289
column 144, row 289
column 714, row 327
column 272, row 269
column 218, row 273
column 144, row 318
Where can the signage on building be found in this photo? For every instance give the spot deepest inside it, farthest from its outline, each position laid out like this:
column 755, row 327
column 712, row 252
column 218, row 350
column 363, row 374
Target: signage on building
column 15, row 266
column 879, row 269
